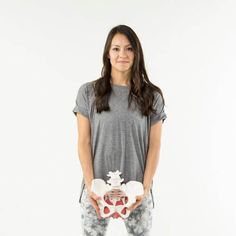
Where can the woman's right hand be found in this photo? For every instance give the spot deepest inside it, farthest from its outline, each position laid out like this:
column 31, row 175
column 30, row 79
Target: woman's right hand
column 93, row 199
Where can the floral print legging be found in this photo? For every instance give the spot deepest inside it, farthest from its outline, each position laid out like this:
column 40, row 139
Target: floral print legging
column 138, row 223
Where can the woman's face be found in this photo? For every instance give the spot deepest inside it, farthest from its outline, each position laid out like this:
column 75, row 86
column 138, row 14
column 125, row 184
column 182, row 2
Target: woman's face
column 121, row 53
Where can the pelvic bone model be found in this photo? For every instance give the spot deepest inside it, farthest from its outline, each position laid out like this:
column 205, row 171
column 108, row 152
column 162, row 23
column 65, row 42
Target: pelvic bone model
column 114, row 197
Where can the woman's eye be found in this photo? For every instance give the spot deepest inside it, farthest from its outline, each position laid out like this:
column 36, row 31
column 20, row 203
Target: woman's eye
column 117, row 49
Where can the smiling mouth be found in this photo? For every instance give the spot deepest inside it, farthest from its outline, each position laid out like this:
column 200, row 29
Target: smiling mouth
column 122, row 61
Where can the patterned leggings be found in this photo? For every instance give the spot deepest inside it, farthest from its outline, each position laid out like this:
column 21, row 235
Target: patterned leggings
column 138, row 223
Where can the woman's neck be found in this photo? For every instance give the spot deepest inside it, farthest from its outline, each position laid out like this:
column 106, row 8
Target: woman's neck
column 120, row 78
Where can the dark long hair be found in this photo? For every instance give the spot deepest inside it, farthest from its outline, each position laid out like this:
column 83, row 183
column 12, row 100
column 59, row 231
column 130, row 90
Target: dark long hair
column 141, row 89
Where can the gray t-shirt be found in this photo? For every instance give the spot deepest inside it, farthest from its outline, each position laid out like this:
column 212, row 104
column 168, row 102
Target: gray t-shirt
column 119, row 137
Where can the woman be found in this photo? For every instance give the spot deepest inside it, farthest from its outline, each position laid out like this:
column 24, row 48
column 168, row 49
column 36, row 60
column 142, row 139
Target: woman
column 119, row 118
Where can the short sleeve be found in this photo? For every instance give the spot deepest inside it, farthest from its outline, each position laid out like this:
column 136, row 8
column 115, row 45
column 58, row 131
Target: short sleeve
column 159, row 109
column 81, row 102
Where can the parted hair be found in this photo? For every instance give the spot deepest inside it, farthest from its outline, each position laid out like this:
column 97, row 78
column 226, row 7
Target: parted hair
column 141, row 89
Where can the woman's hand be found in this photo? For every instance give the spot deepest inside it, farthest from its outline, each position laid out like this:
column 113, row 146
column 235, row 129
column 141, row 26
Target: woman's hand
column 93, row 199
column 139, row 200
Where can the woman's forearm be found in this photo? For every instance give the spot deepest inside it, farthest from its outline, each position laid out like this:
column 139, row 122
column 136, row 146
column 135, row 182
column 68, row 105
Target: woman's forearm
column 151, row 165
column 85, row 157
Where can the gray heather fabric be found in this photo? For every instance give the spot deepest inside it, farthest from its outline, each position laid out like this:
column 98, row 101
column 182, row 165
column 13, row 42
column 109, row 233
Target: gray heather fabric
column 119, row 137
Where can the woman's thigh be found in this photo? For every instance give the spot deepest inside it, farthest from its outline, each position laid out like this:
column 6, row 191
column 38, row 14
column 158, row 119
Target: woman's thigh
column 91, row 225
column 139, row 222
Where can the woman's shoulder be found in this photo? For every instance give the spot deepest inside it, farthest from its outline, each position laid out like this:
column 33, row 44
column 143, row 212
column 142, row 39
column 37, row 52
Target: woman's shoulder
column 87, row 88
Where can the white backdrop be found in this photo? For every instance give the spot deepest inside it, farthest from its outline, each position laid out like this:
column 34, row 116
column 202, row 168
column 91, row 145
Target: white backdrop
column 49, row 48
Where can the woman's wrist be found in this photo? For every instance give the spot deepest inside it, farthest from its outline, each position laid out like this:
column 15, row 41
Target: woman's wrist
column 146, row 189
column 88, row 185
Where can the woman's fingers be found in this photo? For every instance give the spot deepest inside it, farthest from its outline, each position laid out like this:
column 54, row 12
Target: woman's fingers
column 95, row 196
column 95, row 205
column 93, row 200
column 136, row 204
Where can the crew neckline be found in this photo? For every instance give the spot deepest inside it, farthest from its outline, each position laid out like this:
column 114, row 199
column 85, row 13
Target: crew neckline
column 120, row 86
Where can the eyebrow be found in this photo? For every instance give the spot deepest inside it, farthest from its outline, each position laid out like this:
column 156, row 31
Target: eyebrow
column 119, row 46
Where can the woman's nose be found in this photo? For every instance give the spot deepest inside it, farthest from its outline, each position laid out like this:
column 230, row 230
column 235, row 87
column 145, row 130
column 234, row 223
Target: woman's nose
column 122, row 53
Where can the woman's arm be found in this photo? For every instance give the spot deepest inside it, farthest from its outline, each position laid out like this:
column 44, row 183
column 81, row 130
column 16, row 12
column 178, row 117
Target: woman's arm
column 84, row 149
column 151, row 162
column 153, row 154
column 85, row 157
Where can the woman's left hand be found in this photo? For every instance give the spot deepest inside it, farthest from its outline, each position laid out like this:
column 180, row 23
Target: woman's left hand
column 139, row 200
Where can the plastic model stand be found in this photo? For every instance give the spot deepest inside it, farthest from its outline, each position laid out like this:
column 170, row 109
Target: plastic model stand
column 116, row 197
